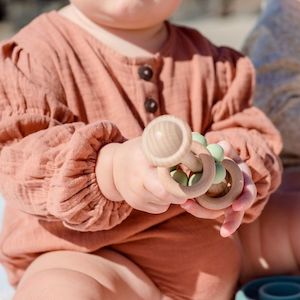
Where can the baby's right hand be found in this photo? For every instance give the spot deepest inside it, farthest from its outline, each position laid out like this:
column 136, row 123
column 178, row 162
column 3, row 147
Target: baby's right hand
column 124, row 173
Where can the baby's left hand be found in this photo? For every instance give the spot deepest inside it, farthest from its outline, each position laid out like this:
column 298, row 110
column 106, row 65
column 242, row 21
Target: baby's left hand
column 233, row 215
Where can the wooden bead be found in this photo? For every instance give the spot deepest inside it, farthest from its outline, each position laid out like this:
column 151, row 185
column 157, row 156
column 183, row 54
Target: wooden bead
column 199, row 188
column 166, row 140
column 236, row 187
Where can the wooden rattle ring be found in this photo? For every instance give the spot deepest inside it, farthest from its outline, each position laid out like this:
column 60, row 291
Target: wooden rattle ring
column 167, row 142
column 237, row 185
column 198, row 188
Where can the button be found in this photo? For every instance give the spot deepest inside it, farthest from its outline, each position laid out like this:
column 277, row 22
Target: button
column 145, row 72
column 151, row 105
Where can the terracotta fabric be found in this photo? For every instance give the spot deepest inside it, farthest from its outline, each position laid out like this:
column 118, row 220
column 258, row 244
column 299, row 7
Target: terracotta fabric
column 64, row 94
column 271, row 243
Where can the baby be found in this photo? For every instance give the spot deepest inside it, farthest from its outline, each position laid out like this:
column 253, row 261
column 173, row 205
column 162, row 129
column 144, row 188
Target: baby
column 86, row 216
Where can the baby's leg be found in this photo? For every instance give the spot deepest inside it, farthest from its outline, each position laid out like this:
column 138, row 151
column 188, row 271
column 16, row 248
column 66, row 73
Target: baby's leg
column 271, row 245
column 186, row 258
column 73, row 275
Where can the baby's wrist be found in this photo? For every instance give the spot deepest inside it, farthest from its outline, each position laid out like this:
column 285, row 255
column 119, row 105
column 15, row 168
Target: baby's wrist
column 104, row 172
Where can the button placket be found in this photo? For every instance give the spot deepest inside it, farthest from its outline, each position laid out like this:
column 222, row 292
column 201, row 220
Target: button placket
column 148, row 84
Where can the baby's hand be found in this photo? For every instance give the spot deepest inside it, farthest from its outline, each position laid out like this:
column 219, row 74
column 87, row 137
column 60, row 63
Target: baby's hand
column 234, row 214
column 124, row 173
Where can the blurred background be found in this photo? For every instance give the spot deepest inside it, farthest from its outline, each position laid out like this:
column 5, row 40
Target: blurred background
column 225, row 22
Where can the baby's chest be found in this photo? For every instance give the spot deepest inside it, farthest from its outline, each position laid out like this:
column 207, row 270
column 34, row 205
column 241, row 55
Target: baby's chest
column 132, row 98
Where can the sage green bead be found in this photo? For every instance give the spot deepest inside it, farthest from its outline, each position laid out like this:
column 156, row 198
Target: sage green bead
column 172, row 172
column 220, row 173
column 197, row 137
column 194, row 178
column 180, row 177
column 216, row 151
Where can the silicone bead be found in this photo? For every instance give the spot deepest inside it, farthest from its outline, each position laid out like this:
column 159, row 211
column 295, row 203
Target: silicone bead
column 220, row 173
column 216, row 151
column 172, row 169
column 180, row 177
column 194, row 178
column 197, row 137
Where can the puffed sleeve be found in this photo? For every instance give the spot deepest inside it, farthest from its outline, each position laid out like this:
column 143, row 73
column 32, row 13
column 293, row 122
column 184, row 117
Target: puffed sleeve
column 47, row 156
column 250, row 132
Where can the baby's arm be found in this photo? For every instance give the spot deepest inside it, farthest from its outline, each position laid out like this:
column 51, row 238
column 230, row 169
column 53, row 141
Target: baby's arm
column 246, row 128
column 48, row 157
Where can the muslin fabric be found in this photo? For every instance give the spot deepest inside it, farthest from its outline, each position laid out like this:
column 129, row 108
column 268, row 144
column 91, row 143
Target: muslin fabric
column 64, row 95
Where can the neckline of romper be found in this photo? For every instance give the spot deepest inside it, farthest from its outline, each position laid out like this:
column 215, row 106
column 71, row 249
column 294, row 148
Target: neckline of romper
column 110, row 53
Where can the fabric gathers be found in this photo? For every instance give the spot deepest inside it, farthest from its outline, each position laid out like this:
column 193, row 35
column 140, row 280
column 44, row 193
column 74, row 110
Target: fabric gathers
column 64, row 95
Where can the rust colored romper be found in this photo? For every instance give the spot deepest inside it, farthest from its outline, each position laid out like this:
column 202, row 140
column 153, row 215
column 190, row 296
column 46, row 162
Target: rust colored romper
column 64, row 94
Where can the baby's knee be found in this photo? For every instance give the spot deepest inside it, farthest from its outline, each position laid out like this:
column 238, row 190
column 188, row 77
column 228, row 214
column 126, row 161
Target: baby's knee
column 278, row 224
column 216, row 272
column 227, row 258
column 59, row 284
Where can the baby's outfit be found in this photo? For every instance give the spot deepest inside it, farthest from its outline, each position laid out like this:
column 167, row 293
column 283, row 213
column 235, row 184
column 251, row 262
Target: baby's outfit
column 64, row 95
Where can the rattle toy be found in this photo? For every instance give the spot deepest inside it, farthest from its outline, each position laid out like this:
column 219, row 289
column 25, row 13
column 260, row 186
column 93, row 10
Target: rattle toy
column 214, row 180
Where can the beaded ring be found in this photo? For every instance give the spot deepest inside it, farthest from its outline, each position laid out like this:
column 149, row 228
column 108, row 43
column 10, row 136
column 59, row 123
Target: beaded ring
column 213, row 180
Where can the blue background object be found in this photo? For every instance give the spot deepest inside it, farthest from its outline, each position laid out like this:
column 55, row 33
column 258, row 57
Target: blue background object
column 250, row 290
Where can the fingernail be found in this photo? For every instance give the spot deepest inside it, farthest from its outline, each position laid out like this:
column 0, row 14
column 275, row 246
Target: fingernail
column 186, row 205
column 224, row 232
column 238, row 206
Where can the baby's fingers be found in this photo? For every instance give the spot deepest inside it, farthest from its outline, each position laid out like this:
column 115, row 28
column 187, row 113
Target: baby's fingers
column 245, row 200
column 229, row 151
column 232, row 222
column 199, row 211
column 144, row 201
column 154, row 186
column 248, row 195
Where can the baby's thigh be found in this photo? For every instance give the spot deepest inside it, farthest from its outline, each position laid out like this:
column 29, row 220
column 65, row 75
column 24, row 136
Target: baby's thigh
column 186, row 258
column 107, row 275
column 271, row 245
